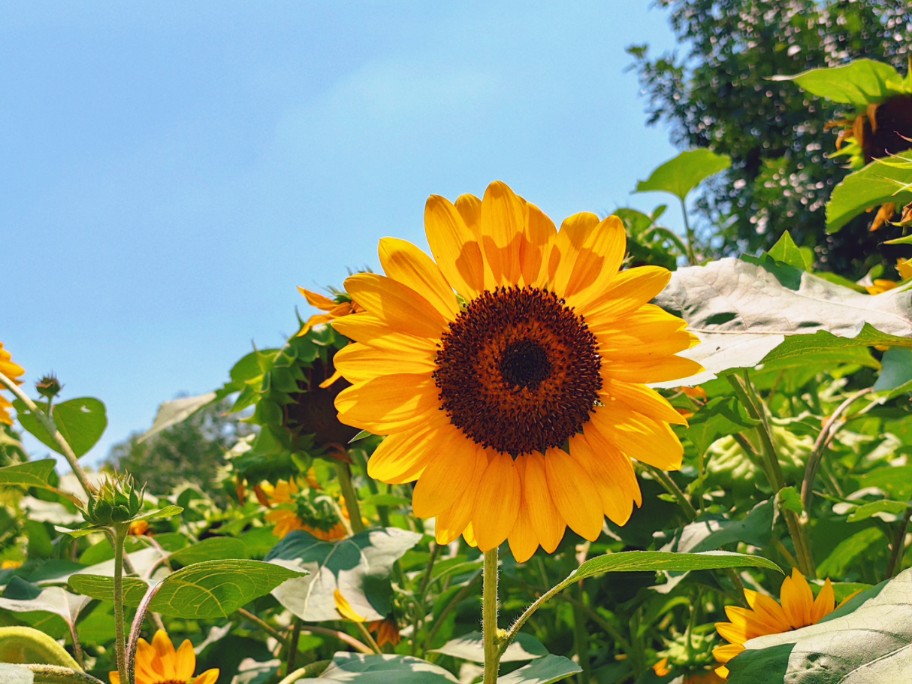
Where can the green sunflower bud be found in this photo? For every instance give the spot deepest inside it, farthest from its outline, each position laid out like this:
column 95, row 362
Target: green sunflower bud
column 48, row 386
column 116, row 501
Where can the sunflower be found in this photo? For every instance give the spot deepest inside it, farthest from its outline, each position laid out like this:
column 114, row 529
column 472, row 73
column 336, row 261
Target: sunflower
column 12, row 371
column 797, row 608
column 159, row 663
column 333, row 308
column 311, row 511
column 508, row 376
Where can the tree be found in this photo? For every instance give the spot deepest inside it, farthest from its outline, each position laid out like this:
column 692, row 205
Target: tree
column 190, row 451
column 719, row 96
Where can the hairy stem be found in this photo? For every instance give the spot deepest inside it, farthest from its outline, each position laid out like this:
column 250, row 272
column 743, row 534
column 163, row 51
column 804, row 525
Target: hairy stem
column 489, row 618
column 351, row 497
column 118, row 534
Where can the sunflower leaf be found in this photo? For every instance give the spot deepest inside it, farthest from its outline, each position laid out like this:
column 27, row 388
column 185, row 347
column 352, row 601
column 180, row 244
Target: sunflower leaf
column 81, row 422
column 654, row 561
column 382, row 669
column 551, row 668
column 358, row 567
column 867, row 640
column 858, row 83
column 682, row 174
column 745, row 315
column 170, row 413
column 30, row 474
column 883, row 180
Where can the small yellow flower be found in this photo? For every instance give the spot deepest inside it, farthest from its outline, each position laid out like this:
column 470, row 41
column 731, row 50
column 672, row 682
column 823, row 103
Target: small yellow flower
column 13, row 371
column 159, row 663
column 138, row 528
column 10, row 564
column 798, row 608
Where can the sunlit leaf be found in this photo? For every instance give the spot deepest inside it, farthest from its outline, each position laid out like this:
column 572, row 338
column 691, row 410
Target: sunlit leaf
column 170, row 413
column 859, row 83
column 382, row 669
column 883, row 180
column 551, row 668
column 359, row 567
column 654, row 561
column 471, row 647
column 685, row 172
column 214, row 548
column 81, row 422
column 29, row 474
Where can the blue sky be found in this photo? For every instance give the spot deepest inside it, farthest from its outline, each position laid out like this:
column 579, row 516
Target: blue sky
column 172, row 171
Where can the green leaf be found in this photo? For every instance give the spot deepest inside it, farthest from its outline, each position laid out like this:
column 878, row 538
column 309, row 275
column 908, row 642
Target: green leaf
column 214, row 548
column 858, row 83
column 896, row 374
column 654, row 561
column 551, row 668
column 383, row 669
column 883, row 180
column 710, row 533
column 359, row 567
column 101, row 587
column 24, row 644
column 30, row 474
column 867, row 640
column 215, row 589
column 846, row 551
column 170, row 413
column 742, row 313
column 786, row 251
column 23, row 597
column 685, row 172
column 471, row 647
column 81, row 422
column 872, row 508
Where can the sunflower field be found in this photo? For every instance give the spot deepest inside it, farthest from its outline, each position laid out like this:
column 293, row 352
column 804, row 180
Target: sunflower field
column 529, row 452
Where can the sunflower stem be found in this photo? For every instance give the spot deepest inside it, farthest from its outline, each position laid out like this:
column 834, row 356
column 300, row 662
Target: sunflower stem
column 489, row 618
column 580, row 635
column 47, row 421
column 351, row 497
column 672, row 488
column 118, row 533
column 691, row 255
column 291, row 649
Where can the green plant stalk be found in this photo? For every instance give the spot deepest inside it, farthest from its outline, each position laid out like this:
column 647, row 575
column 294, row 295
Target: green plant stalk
column 492, row 651
column 350, row 496
column 51, row 427
column 118, row 534
column 294, row 639
column 898, row 543
column 691, row 256
column 672, row 488
column 419, row 606
column 369, row 638
column 580, row 635
column 757, row 410
column 306, row 671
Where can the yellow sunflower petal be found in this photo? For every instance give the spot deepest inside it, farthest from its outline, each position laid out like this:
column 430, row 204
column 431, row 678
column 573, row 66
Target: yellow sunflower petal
column 447, row 474
column 626, row 292
column 736, row 634
column 497, row 502
column 546, row 520
column 404, row 262
column 185, row 661
column 641, row 399
column 613, row 476
column 636, row 436
column 387, row 403
column 402, row 456
column 502, row 226
column 454, row 246
column 316, row 300
column 540, row 232
column 523, row 540
column 824, row 604
column 164, row 653
column 395, row 304
column 457, row 519
column 360, row 362
column 574, row 494
column 208, row 677
column 725, row 653
column 591, row 254
column 370, row 330
column 645, row 370
column 797, row 600
column 114, row 677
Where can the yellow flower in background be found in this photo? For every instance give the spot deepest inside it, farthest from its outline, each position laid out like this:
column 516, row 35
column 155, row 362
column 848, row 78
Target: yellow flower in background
column 518, row 403
column 13, row 371
column 797, row 608
column 293, row 510
column 159, row 663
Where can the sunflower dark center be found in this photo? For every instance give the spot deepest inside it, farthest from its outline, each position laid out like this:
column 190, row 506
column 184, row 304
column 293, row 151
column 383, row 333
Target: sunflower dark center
column 518, row 371
column 525, row 364
column 888, row 129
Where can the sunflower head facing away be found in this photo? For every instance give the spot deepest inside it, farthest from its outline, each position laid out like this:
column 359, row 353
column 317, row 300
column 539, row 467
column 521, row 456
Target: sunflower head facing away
column 310, row 510
column 507, row 373
column 13, row 371
column 797, row 608
column 160, row 663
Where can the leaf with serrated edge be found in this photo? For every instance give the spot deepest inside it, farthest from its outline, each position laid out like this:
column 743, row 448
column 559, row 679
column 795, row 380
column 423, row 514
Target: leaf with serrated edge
column 551, row 668
column 30, row 474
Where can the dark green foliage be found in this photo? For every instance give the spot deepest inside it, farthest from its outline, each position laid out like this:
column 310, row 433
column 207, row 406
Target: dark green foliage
column 718, row 95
